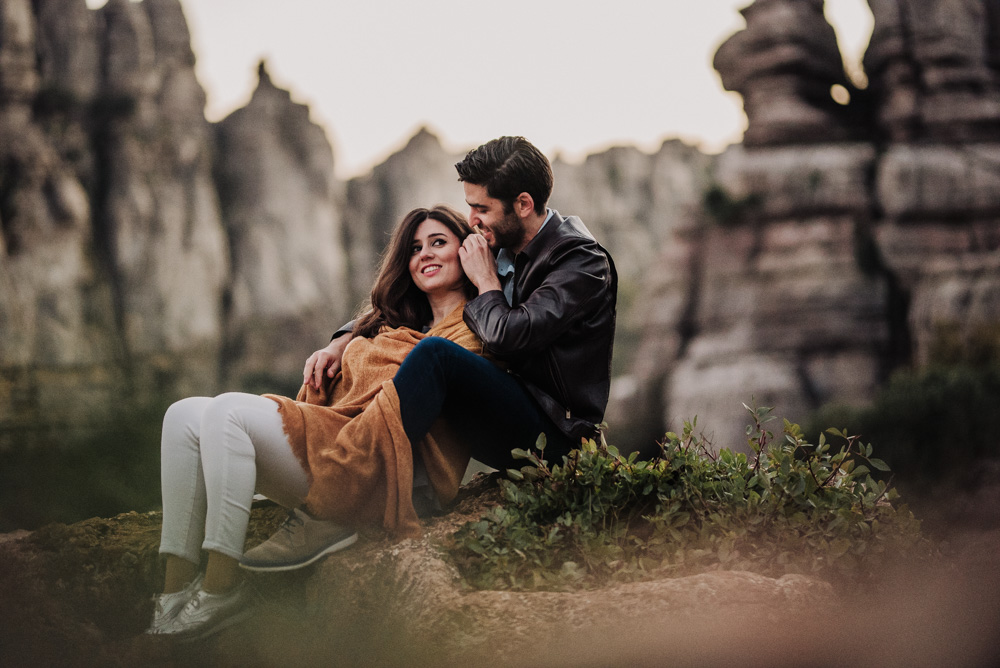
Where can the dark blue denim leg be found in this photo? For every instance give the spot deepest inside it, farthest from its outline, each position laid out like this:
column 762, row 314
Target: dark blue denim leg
column 488, row 407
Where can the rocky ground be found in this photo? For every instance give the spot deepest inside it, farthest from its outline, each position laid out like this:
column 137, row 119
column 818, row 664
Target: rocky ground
column 79, row 595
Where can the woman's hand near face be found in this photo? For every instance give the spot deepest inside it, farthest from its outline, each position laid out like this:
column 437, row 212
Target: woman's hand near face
column 478, row 263
column 326, row 360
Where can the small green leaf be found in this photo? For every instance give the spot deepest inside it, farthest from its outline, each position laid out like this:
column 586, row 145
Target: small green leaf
column 878, row 464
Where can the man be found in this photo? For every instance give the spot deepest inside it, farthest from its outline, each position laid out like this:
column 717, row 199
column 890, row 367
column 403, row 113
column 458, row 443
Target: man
column 545, row 312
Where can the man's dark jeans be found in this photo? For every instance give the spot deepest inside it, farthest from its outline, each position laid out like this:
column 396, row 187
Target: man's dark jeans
column 488, row 407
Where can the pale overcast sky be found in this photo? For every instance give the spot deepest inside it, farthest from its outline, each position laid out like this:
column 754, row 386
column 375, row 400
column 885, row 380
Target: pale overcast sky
column 573, row 76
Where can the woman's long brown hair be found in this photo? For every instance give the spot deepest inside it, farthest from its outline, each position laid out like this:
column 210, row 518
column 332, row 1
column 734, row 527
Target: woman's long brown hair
column 396, row 301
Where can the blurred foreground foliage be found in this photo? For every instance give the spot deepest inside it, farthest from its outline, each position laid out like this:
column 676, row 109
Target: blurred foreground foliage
column 101, row 473
column 789, row 507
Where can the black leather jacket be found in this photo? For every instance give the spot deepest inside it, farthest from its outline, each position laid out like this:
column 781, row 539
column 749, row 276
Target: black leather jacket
column 557, row 335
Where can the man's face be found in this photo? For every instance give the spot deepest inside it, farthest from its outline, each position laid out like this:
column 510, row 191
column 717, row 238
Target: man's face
column 502, row 230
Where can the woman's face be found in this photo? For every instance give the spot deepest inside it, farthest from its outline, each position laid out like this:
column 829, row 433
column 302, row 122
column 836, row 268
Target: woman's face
column 434, row 264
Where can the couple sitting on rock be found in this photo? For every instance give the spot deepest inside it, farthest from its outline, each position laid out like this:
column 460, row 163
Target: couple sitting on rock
column 476, row 342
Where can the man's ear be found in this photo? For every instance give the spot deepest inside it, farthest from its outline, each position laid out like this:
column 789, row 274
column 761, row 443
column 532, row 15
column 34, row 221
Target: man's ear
column 524, row 205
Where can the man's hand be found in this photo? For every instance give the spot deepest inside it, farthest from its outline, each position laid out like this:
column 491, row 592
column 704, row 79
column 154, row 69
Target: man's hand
column 326, row 360
column 478, row 263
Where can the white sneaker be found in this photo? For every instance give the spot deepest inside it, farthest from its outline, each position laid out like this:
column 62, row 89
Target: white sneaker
column 169, row 605
column 206, row 614
column 299, row 541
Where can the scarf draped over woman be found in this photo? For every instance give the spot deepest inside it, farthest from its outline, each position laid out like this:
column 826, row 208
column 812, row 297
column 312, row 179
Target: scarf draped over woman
column 349, row 436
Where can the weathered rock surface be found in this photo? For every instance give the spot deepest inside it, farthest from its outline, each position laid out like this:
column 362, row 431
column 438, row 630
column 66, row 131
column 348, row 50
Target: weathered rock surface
column 818, row 269
column 159, row 215
column 115, row 260
column 19, row 83
column 932, row 69
column 784, row 64
column 941, row 237
column 68, row 44
column 289, row 288
column 421, row 174
column 56, row 310
column 114, row 253
column 785, row 314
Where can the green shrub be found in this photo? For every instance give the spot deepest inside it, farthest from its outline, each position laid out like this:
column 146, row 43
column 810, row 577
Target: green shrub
column 931, row 425
column 790, row 507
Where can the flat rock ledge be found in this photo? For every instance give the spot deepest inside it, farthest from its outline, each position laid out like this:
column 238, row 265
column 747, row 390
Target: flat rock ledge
column 80, row 595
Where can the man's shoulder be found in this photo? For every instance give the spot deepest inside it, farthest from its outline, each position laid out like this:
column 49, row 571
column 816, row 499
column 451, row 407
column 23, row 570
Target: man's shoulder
column 570, row 233
column 564, row 233
column 570, row 247
column 570, row 227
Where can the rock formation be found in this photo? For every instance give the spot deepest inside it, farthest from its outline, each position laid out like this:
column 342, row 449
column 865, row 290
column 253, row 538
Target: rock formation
column 821, row 266
column 289, row 288
column 940, row 236
column 157, row 212
column 69, row 64
column 785, row 315
column 932, row 69
column 784, row 64
column 120, row 281
column 56, row 311
column 423, row 174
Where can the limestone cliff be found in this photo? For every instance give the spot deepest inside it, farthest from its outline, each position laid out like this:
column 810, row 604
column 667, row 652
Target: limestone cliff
column 422, row 173
column 822, row 262
column 156, row 209
column 56, row 307
column 933, row 71
column 120, row 278
column 784, row 64
column 289, row 287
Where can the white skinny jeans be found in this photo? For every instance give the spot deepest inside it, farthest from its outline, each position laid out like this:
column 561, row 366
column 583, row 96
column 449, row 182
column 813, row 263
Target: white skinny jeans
column 214, row 454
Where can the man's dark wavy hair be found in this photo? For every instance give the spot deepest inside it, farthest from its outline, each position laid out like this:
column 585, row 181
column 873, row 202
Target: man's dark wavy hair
column 507, row 167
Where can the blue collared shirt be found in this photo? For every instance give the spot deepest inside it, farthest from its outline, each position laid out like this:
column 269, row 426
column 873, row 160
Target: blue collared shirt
column 505, row 266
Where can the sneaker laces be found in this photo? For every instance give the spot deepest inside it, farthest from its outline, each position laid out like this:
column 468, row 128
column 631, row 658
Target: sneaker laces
column 291, row 522
column 158, row 600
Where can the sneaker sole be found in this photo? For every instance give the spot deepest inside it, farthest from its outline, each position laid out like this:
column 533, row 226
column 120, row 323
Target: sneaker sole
column 232, row 620
column 330, row 549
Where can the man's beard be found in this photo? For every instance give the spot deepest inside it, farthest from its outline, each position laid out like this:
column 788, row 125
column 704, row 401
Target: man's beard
column 509, row 233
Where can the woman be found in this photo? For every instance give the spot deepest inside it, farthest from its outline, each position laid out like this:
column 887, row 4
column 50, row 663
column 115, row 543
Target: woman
column 339, row 449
